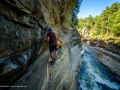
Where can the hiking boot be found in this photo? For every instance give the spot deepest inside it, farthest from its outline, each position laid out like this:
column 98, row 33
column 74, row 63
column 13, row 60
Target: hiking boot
column 54, row 59
column 51, row 62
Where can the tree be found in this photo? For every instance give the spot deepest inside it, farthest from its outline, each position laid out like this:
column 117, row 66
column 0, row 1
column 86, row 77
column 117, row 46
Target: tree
column 108, row 23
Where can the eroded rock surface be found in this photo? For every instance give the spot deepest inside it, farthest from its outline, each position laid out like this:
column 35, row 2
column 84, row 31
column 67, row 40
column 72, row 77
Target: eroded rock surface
column 23, row 26
column 110, row 60
column 60, row 76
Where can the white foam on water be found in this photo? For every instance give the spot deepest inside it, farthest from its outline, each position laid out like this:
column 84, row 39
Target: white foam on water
column 96, row 76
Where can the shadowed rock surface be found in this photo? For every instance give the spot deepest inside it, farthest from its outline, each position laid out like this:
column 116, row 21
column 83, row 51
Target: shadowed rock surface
column 23, row 26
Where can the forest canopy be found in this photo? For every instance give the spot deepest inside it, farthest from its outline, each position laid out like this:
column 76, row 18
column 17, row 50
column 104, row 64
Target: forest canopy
column 108, row 23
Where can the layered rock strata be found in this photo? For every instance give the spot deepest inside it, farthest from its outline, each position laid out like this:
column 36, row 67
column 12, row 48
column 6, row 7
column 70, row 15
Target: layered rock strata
column 23, row 27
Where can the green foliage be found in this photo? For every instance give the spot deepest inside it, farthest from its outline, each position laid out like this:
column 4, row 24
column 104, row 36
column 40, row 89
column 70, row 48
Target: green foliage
column 75, row 12
column 108, row 23
column 77, row 7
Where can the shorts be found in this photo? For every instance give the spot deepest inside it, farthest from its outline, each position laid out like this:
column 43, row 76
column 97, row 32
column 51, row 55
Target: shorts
column 58, row 48
column 52, row 47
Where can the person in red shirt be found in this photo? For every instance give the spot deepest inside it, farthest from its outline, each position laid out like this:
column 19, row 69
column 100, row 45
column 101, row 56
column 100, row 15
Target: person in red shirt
column 51, row 38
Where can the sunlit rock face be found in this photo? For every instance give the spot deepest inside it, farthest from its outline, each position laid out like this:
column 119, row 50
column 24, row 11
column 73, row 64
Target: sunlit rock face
column 110, row 60
column 24, row 54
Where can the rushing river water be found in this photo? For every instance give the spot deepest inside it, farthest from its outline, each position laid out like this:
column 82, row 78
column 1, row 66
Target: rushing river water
column 93, row 75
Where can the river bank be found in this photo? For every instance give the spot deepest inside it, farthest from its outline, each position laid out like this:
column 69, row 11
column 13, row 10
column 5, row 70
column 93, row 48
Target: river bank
column 108, row 53
column 93, row 74
column 110, row 44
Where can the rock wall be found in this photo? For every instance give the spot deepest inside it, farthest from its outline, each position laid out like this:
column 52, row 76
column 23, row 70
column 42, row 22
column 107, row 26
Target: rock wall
column 23, row 26
column 110, row 60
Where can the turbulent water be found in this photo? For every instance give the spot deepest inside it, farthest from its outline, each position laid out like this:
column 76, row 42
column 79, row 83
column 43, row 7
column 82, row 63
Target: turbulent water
column 93, row 75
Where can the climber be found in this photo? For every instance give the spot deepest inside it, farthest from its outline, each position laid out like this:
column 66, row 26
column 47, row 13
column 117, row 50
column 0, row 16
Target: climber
column 58, row 48
column 59, row 44
column 51, row 38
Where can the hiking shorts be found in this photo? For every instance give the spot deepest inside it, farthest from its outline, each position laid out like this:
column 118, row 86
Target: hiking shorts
column 52, row 47
column 57, row 48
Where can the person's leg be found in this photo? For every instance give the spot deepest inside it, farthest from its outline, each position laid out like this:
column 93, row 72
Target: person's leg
column 55, row 48
column 54, row 54
column 51, row 53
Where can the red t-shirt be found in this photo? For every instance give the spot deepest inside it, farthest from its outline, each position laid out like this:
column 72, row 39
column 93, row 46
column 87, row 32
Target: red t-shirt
column 52, row 37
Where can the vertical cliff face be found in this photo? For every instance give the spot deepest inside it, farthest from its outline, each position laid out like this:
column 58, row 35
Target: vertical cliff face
column 23, row 25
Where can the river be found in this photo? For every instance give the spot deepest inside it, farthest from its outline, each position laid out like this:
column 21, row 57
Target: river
column 93, row 75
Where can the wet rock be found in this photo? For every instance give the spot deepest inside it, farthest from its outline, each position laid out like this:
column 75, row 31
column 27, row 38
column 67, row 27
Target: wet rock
column 110, row 60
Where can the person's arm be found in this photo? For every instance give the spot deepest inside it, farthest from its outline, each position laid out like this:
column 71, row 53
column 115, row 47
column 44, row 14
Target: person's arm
column 48, row 38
